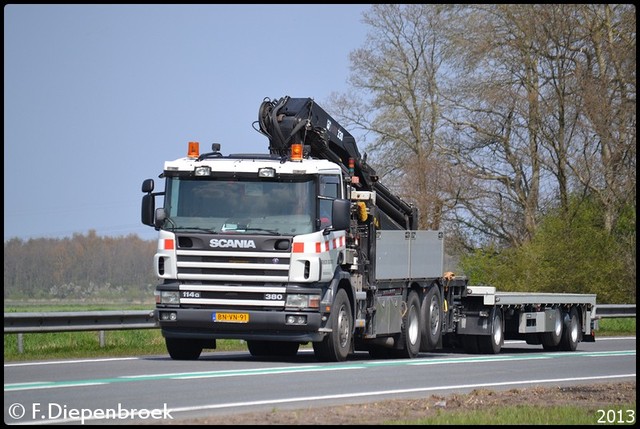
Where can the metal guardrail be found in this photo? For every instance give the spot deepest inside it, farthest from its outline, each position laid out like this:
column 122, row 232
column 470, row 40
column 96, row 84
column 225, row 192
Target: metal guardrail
column 615, row 310
column 22, row 323
column 101, row 321
column 78, row 321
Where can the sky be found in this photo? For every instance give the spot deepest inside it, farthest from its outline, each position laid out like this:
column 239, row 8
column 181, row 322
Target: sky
column 97, row 97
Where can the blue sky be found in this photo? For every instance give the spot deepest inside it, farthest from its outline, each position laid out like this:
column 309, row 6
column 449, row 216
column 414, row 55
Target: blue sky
column 97, row 97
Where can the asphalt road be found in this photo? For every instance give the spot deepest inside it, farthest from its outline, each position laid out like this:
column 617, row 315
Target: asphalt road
column 157, row 389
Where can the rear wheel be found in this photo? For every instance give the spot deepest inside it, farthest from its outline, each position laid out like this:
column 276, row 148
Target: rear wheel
column 571, row 331
column 491, row 344
column 431, row 315
column 183, row 349
column 551, row 340
column 335, row 347
column 411, row 324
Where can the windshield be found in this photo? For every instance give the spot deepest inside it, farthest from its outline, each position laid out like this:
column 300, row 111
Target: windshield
column 239, row 206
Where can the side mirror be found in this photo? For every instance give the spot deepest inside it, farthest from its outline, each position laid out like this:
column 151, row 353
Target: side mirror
column 341, row 214
column 147, row 186
column 161, row 216
column 148, row 209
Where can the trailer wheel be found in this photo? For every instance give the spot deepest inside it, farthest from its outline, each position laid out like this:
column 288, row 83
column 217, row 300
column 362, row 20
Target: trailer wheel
column 336, row 345
column 431, row 315
column 550, row 340
column 571, row 331
column 183, row 349
column 410, row 337
column 491, row 344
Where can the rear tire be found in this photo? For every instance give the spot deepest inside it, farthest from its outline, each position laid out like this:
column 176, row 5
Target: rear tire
column 335, row 347
column 491, row 344
column 572, row 331
column 411, row 333
column 183, row 349
column 431, row 315
column 551, row 340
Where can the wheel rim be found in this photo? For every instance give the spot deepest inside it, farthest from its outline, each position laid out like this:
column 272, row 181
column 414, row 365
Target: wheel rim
column 343, row 327
column 413, row 328
column 497, row 330
column 558, row 327
column 574, row 330
column 434, row 323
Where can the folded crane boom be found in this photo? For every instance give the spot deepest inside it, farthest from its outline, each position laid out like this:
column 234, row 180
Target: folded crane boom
column 288, row 121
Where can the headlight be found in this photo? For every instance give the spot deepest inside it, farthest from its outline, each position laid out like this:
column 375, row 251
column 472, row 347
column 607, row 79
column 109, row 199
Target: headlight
column 302, row 301
column 169, row 297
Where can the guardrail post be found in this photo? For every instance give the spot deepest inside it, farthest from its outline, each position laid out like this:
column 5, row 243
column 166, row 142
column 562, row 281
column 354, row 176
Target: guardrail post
column 101, row 336
column 20, row 345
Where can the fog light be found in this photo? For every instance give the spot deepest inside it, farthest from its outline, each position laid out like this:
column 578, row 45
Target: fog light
column 168, row 315
column 294, row 319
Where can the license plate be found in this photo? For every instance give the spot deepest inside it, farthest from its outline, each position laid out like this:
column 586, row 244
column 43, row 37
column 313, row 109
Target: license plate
column 230, row 317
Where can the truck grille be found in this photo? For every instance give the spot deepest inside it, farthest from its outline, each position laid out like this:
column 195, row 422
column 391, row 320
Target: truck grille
column 233, row 279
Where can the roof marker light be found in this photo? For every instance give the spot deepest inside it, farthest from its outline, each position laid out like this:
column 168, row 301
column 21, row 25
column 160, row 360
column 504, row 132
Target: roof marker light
column 194, row 150
column 296, row 152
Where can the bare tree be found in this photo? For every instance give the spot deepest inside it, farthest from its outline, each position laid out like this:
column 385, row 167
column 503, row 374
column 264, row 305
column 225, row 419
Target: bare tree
column 490, row 116
column 400, row 68
column 606, row 74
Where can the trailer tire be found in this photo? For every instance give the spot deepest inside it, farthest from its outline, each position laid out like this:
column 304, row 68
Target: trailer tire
column 571, row 331
column 335, row 347
column 183, row 349
column 491, row 344
column 431, row 315
column 411, row 324
column 551, row 340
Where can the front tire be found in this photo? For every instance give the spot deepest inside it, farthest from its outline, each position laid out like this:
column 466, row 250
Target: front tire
column 335, row 347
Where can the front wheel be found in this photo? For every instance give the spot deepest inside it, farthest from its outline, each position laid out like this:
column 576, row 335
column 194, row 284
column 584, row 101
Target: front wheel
column 335, row 347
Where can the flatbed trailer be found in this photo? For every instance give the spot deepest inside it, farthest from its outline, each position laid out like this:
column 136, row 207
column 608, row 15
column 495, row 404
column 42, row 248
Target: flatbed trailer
column 482, row 318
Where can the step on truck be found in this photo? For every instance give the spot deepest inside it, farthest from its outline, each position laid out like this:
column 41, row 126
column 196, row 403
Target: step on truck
column 304, row 245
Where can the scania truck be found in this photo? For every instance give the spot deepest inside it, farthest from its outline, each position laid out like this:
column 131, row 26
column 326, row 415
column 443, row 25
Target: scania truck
column 304, row 245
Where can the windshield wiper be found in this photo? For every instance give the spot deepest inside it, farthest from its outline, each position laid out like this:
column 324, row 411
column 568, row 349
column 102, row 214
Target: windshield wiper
column 193, row 228
column 270, row 231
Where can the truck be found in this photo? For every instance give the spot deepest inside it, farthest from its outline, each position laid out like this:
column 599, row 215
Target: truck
column 304, row 245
